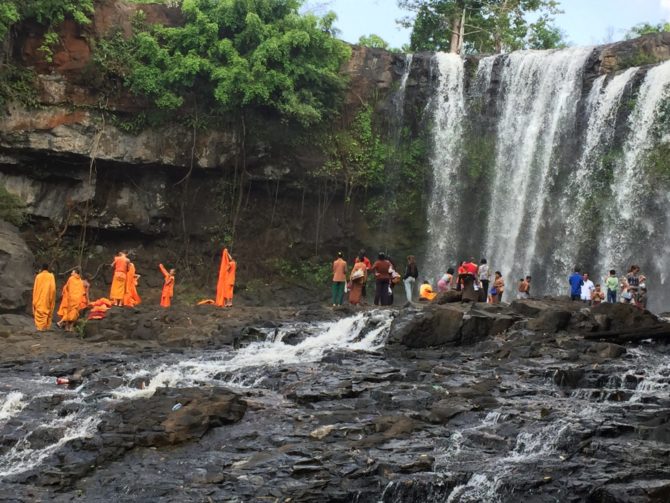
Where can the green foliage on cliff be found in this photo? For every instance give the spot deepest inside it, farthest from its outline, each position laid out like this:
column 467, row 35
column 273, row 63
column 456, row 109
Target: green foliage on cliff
column 12, row 208
column 356, row 155
column 481, row 26
column 16, row 84
column 647, row 29
column 233, row 56
column 49, row 13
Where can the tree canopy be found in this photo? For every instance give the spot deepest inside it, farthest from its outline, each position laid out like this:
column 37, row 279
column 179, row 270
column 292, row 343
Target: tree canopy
column 481, row 26
column 235, row 54
column 374, row 41
column 646, row 29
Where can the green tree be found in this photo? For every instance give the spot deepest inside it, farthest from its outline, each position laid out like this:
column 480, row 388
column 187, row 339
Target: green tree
column 646, row 29
column 236, row 55
column 49, row 13
column 374, row 41
column 481, row 26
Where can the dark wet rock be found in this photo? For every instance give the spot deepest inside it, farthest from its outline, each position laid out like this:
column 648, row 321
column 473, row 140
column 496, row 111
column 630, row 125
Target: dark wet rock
column 444, row 410
column 606, row 350
column 448, row 297
column 624, row 316
column 550, row 321
column 16, row 270
column 447, row 325
column 155, row 421
column 569, row 378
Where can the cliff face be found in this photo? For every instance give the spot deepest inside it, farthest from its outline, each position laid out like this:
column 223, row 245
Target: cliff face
column 77, row 168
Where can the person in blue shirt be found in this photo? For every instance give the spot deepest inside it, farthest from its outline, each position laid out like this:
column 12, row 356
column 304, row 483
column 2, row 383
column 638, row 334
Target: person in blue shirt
column 576, row 282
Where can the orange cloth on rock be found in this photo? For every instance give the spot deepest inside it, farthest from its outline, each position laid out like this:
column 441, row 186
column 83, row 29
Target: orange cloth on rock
column 44, row 299
column 426, row 292
column 226, row 282
column 118, row 289
column 131, row 298
column 168, row 287
column 73, row 293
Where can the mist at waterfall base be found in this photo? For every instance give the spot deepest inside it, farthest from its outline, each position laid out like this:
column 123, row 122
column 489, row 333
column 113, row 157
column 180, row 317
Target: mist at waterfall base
column 562, row 182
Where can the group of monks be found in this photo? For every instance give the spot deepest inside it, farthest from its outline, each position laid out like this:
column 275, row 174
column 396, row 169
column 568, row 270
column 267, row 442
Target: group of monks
column 123, row 292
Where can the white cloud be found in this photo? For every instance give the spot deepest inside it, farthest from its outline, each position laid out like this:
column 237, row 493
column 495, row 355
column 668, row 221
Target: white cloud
column 665, row 5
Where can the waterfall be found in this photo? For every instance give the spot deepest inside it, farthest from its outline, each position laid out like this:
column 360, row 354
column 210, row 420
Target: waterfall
column 583, row 185
column 449, row 105
column 541, row 91
column 568, row 179
column 399, row 98
column 637, row 225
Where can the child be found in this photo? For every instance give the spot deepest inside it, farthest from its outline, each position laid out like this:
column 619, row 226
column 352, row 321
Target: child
column 597, row 296
column 168, row 286
column 642, row 298
column 612, row 284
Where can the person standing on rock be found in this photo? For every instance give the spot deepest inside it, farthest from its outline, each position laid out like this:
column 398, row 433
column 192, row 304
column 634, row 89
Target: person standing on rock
column 73, row 295
column 368, row 265
column 586, row 289
column 131, row 298
column 484, row 276
column 44, row 298
column 168, row 285
column 411, row 275
column 358, row 278
column 118, row 288
column 633, row 278
column 381, row 269
column 339, row 279
column 576, row 281
column 225, row 284
column 523, row 289
column 612, row 285
column 497, row 289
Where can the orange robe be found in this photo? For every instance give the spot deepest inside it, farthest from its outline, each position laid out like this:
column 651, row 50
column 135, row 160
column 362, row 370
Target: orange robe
column 223, row 278
column 131, row 297
column 44, row 299
column 229, row 285
column 426, row 292
column 118, row 289
column 73, row 293
column 168, row 287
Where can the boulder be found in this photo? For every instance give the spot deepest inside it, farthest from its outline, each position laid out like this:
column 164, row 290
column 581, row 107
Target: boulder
column 430, row 326
column 171, row 416
column 16, row 270
column 620, row 316
column 448, row 297
column 550, row 321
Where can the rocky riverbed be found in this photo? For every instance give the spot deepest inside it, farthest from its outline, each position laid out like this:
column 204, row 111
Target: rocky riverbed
column 449, row 402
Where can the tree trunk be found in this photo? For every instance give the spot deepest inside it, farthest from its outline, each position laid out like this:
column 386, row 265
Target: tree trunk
column 454, row 45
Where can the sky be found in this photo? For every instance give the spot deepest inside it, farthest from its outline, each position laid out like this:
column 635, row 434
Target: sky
column 585, row 22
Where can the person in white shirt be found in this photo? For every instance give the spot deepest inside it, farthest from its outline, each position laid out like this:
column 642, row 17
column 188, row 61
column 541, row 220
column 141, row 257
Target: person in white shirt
column 587, row 289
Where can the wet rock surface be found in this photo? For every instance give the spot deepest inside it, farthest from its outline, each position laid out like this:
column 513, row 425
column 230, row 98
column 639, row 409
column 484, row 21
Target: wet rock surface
column 16, row 270
column 339, row 413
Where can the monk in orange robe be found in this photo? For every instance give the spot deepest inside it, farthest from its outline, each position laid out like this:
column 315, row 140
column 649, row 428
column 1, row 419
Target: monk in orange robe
column 226, row 282
column 44, row 298
column 168, row 286
column 131, row 297
column 73, row 295
column 118, row 289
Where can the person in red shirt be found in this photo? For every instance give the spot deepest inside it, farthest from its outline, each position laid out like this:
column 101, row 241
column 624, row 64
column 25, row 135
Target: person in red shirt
column 381, row 269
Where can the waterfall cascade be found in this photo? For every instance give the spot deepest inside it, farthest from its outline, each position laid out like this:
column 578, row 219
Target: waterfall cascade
column 566, row 183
